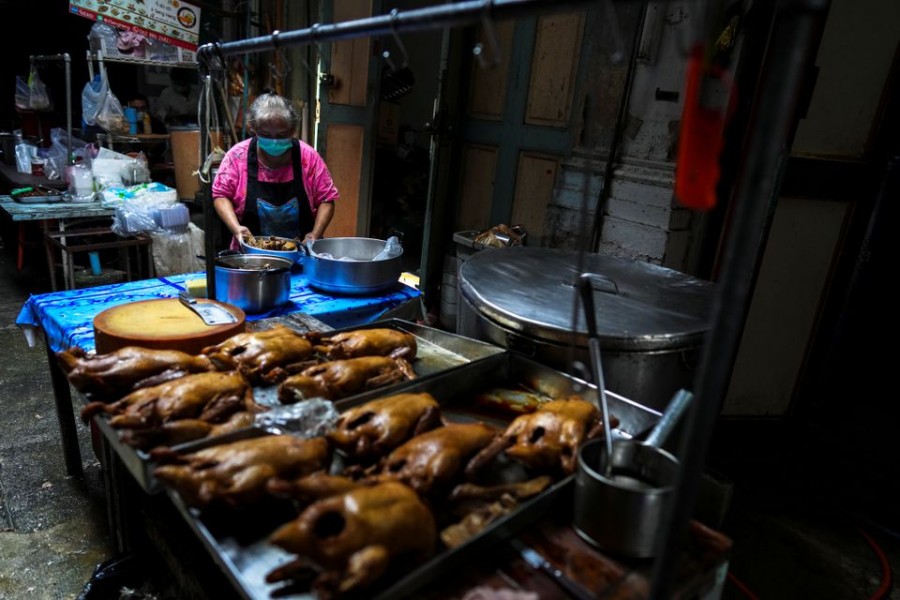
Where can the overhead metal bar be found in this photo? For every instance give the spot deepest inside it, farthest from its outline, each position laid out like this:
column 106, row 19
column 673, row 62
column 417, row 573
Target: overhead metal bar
column 420, row 19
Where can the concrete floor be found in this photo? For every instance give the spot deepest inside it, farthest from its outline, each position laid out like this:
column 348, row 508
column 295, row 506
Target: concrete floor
column 791, row 540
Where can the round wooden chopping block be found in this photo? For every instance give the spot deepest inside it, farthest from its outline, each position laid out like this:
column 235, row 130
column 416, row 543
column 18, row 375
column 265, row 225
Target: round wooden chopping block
column 162, row 324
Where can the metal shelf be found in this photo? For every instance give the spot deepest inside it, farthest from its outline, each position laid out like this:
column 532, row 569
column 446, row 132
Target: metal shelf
column 141, row 61
column 102, row 57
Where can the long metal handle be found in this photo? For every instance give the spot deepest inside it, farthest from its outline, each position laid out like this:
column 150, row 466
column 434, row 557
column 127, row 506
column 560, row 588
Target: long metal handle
column 586, row 289
column 670, row 418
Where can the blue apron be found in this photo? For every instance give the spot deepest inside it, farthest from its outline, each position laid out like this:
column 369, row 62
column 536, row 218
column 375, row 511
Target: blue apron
column 280, row 209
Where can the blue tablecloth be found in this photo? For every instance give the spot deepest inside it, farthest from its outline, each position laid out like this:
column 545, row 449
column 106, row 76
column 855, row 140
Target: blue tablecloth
column 67, row 318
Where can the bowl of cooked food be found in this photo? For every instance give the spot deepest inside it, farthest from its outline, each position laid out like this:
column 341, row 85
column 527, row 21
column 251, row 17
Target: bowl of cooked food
column 273, row 246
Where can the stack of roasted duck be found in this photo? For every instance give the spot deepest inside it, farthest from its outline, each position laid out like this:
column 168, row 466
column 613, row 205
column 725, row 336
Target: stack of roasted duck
column 393, row 484
column 167, row 397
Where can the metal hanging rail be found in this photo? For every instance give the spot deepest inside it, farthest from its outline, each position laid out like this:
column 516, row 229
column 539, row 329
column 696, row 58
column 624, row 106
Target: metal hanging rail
column 420, row 19
column 67, row 60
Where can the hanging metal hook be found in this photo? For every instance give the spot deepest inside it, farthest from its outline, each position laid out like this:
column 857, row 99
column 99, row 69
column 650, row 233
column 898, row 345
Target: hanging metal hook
column 386, row 54
column 487, row 23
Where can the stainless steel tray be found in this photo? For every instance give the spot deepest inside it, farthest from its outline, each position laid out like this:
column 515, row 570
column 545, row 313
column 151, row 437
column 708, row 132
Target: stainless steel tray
column 247, row 561
column 38, row 199
column 438, row 352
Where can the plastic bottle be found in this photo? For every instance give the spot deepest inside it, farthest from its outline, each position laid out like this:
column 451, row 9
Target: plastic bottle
column 148, row 126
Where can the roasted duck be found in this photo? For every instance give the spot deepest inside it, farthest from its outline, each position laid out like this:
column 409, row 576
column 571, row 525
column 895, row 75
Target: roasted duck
column 432, row 462
column 341, row 378
column 236, row 474
column 111, row 376
column 377, row 427
column 366, row 342
column 354, row 537
column 546, row 439
column 263, row 356
column 187, row 430
column 310, row 488
column 210, row 397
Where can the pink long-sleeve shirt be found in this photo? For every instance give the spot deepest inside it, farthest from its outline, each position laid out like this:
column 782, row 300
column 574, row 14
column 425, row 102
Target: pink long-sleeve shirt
column 231, row 179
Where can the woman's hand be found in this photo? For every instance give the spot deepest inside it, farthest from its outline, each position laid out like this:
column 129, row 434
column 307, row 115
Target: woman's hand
column 241, row 232
column 309, row 237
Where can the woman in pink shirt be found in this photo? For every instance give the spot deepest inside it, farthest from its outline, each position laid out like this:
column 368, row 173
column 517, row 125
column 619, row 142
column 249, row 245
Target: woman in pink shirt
column 257, row 190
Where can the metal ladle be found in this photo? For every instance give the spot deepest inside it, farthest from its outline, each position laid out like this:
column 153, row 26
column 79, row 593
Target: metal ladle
column 586, row 289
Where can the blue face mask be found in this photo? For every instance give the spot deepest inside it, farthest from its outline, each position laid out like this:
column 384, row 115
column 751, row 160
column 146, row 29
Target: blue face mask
column 274, row 147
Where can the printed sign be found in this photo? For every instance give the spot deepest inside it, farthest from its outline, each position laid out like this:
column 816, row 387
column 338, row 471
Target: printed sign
column 170, row 21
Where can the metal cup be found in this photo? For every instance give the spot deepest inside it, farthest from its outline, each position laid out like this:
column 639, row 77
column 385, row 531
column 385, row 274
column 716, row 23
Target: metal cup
column 622, row 514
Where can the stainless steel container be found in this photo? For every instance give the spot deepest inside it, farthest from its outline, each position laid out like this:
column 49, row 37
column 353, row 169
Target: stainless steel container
column 357, row 276
column 253, row 282
column 295, row 256
column 623, row 513
column 651, row 320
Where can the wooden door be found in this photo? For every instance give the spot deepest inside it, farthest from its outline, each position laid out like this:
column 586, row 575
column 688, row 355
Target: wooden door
column 345, row 117
column 517, row 123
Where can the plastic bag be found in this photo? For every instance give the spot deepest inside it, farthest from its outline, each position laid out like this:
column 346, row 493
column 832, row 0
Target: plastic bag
column 139, row 207
column 311, row 418
column 22, row 94
column 81, row 183
column 24, row 153
column 176, row 252
column 392, row 248
column 104, row 38
column 38, row 99
column 112, row 116
column 59, row 148
column 92, row 98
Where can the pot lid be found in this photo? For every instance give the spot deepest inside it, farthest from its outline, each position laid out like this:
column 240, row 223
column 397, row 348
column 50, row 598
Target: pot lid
column 639, row 306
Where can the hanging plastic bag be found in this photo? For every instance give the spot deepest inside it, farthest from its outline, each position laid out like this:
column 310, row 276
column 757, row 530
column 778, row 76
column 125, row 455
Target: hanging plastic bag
column 38, row 99
column 112, row 116
column 92, row 98
column 22, row 94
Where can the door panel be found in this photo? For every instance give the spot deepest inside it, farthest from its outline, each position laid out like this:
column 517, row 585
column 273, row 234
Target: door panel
column 533, row 86
column 479, row 165
column 488, row 89
column 345, row 144
column 345, row 131
column 534, row 186
column 350, row 59
column 553, row 70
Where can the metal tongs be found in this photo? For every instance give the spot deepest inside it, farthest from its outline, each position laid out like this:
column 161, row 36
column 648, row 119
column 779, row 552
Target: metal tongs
column 586, row 289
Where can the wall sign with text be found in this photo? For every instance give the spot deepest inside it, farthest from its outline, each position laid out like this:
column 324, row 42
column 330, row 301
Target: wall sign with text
column 170, row 21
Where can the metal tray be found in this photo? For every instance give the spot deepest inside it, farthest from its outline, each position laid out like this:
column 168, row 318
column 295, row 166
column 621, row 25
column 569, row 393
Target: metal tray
column 438, row 352
column 246, row 561
column 38, row 199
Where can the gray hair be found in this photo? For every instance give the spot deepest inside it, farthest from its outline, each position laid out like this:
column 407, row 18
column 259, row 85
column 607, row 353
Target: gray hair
column 272, row 107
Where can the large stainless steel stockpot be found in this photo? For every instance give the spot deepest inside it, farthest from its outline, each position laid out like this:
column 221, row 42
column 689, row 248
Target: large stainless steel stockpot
column 348, row 267
column 253, row 282
column 651, row 320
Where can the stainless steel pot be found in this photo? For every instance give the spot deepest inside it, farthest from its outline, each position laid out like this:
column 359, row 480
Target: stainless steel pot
column 651, row 320
column 357, row 276
column 253, row 282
